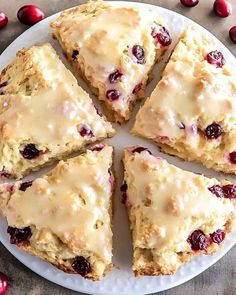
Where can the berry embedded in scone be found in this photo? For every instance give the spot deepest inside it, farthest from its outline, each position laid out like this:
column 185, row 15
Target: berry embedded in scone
column 114, row 48
column 65, row 216
column 192, row 111
column 44, row 114
column 174, row 214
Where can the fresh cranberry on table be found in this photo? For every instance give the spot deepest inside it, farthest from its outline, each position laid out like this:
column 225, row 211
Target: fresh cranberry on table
column 222, row 8
column 3, row 283
column 30, row 14
column 215, row 58
column 189, row 3
column 3, row 20
column 232, row 34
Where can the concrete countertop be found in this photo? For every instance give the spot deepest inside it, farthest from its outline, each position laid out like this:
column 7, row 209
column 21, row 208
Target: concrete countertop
column 220, row 279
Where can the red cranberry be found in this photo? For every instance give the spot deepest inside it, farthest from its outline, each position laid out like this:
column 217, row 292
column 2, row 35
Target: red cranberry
column 124, row 198
column 189, row 3
column 113, row 94
column 213, row 131
column 81, row 265
column 115, row 77
column 3, row 283
column 3, row 84
column 3, row 20
column 4, row 174
column 123, row 187
column 222, row 8
column 198, row 240
column 30, row 152
column 215, row 58
column 229, row 191
column 97, row 148
column 18, row 235
column 232, row 157
column 137, row 88
column 140, row 149
column 232, row 34
column 161, row 36
column 139, row 53
column 24, row 185
column 85, row 131
column 218, row 236
column 75, row 53
column 217, row 190
column 30, row 14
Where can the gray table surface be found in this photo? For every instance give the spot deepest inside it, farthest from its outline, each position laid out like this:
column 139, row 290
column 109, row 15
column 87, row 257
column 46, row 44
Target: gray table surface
column 220, row 279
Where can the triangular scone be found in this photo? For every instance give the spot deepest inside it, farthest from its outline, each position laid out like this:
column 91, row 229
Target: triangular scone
column 44, row 114
column 65, row 216
column 114, row 49
column 192, row 111
column 174, row 214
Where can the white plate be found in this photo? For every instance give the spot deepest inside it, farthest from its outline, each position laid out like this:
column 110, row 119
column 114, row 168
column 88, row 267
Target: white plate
column 120, row 280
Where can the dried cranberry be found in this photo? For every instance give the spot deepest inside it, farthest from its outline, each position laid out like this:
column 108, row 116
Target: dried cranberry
column 162, row 36
column 5, row 174
column 113, row 94
column 81, row 265
column 137, row 88
column 213, row 131
column 189, row 3
column 139, row 53
column 85, row 131
column 218, row 236
column 215, row 58
column 229, row 191
column 217, row 190
column 232, row 157
column 140, row 149
column 222, row 8
column 3, row 20
column 124, row 198
column 97, row 148
column 232, row 34
column 115, row 77
column 3, row 283
column 30, row 14
column 198, row 240
column 30, row 151
column 123, row 187
column 3, row 84
column 75, row 53
column 18, row 235
column 24, row 185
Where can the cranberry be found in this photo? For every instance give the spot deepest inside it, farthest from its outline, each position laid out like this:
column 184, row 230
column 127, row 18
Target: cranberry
column 3, row 283
column 217, row 190
column 30, row 14
column 124, row 198
column 75, row 53
column 115, row 77
column 24, row 185
column 3, row 20
column 97, row 148
column 222, row 8
column 213, row 131
column 123, row 187
column 218, row 236
column 137, row 88
column 232, row 34
column 81, row 265
column 3, row 84
column 215, row 58
column 189, row 3
column 229, row 191
column 140, row 149
column 85, row 131
column 162, row 36
column 139, row 53
column 18, row 235
column 232, row 157
column 198, row 240
column 113, row 94
column 30, row 151
column 4, row 174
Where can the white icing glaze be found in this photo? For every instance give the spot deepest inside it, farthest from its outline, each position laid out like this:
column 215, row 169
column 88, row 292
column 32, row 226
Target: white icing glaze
column 69, row 201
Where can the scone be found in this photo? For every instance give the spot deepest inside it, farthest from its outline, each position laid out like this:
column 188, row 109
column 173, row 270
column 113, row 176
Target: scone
column 192, row 111
column 65, row 217
column 174, row 214
column 44, row 114
column 114, row 49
